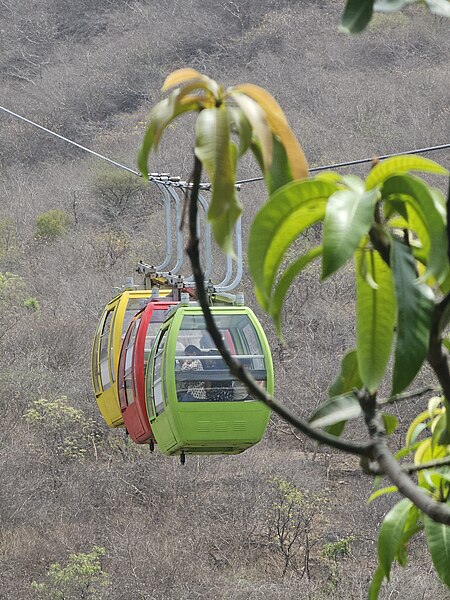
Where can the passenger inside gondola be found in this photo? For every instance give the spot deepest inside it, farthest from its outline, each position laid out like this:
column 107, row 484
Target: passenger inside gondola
column 204, row 376
column 195, row 390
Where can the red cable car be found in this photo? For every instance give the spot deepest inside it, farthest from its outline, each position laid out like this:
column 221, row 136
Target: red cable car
column 136, row 347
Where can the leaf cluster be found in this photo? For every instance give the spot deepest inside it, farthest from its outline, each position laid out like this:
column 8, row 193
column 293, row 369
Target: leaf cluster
column 230, row 122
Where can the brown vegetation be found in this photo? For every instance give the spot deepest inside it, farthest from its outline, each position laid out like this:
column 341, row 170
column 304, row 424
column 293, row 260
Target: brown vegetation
column 89, row 70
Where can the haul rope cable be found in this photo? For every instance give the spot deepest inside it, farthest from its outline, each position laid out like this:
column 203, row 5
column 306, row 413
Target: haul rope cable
column 167, row 180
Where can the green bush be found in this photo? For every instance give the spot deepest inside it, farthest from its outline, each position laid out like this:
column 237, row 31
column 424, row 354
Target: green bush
column 52, row 224
column 69, row 431
column 81, row 577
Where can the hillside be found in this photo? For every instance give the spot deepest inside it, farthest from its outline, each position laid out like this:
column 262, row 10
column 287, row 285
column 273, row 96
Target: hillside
column 91, row 71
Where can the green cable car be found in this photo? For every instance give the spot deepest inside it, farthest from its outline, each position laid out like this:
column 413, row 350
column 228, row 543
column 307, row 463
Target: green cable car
column 194, row 404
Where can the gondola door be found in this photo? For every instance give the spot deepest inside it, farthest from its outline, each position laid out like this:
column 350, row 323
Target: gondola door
column 135, row 350
column 156, row 392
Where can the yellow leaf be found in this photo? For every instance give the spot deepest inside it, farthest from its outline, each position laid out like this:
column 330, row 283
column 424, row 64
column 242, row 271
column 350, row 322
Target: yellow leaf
column 423, row 453
column 266, row 101
column 197, row 80
column 279, row 125
column 180, row 76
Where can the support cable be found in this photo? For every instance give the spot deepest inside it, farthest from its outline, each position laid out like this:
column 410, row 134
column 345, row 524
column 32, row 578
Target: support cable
column 359, row 161
column 167, row 180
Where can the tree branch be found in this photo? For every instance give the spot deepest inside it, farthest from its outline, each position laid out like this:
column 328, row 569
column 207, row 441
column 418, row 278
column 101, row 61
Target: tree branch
column 235, row 367
column 410, row 394
column 411, row 468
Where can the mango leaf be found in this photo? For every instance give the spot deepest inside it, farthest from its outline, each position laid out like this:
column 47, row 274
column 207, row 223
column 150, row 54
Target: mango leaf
column 278, row 124
column 391, row 5
column 279, row 173
column 349, row 216
column 413, row 431
column 440, row 202
column 376, row 311
column 410, row 529
column 407, row 450
column 185, row 75
column 415, row 304
column 415, row 193
column 433, row 404
column 243, row 128
column 289, row 211
column 160, row 116
column 357, row 15
column 349, row 377
column 375, row 585
column 445, row 318
column 354, row 182
column 390, row 422
column 391, row 534
column 214, row 149
column 438, row 541
column 261, row 130
column 277, row 299
column 423, row 452
column 382, row 492
column 439, row 7
column 417, row 431
column 336, row 410
column 399, row 165
column 438, row 429
column 435, row 479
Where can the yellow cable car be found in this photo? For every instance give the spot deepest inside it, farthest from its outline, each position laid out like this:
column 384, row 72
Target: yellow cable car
column 111, row 330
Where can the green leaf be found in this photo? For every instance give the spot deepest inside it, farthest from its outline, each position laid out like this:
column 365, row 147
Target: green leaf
column 217, row 154
column 261, row 130
column 376, row 313
column 391, row 5
column 276, row 303
column 439, row 7
column 382, row 492
column 438, row 541
column 279, row 173
column 349, row 216
column 349, row 377
column 407, row 450
column 398, row 165
column 415, row 305
column 375, row 585
column 417, row 426
column 444, row 438
column 336, row 410
column 357, row 15
column 391, row 533
column 289, row 211
column 416, row 194
column 410, row 529
column 390, row 422
column 243, row 128
column 161, row 116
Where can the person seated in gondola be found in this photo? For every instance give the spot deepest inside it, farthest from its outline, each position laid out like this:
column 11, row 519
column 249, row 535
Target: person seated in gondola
column 195, row 391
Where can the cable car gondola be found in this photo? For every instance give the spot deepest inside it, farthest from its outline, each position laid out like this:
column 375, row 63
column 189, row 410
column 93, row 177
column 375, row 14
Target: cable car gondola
column 194, row 404
column 136, row 347
column 111, row 329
